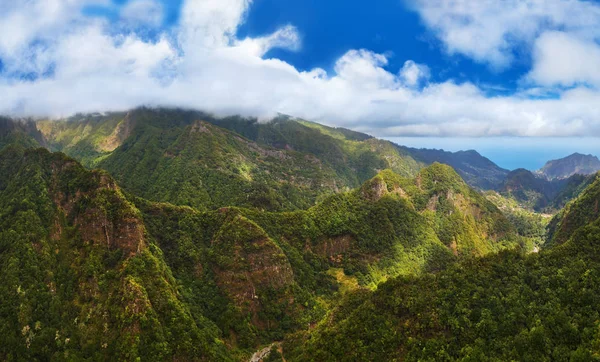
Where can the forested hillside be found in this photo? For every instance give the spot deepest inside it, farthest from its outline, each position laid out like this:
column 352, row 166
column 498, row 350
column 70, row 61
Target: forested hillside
column 538, row 193
column 231, row 234
column 108, row 275
column 191, row 158
column 507, row 306
column 80, row 277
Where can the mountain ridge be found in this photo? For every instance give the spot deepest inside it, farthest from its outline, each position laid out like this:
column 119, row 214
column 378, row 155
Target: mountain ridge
column 568, row 166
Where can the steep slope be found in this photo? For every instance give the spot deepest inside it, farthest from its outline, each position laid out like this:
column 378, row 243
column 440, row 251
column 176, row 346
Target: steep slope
column 573, row 187
column 207, row 167
column 577, row 214
column 20, row 132
column 170, row 155
column 104, row 275
column 507, row 306
column 463, row 219
column 569, row 166
column 261, row 275
column 87, row 137
column 80, row 278
column 476, row 170
column 531, row 191
column 504, row 307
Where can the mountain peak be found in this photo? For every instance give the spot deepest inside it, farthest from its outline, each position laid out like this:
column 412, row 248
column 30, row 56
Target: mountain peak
column 575, row 163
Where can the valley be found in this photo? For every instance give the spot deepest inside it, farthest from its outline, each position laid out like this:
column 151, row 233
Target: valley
column 163, row 233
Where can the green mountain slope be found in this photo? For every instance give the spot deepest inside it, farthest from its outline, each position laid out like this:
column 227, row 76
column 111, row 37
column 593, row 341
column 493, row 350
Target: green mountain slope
column 87, row 137
column 93, row 273
column 577, row 214
column 506, row 306
column 172, row 155
column 534, row 192
column 80, row 277
column 19, row 132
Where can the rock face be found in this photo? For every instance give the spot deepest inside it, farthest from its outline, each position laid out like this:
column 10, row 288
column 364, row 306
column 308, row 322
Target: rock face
column 247, row 262
column 569, row 166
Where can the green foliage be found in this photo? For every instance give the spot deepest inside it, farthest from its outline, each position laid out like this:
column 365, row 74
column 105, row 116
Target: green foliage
column 502, row 307
column 267, row 240
column 529, row 225
column 23, row 133
column 576, row 214
column 79, row 280
column 540, row 194
column 506, row 306
column 169, row 155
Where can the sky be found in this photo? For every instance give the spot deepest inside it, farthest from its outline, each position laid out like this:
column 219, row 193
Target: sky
column 518, row 80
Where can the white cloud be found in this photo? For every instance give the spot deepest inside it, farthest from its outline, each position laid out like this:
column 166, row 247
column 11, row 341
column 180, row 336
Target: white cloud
column 211, row 23
column 362, row 68
column 204, row 65
column 564, row 60
column 413, row 74
column 142, row 13
column 285, row 38
column 491, row 31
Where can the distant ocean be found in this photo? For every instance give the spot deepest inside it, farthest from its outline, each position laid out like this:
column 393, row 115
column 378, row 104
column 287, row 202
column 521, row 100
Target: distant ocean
column 510, row 152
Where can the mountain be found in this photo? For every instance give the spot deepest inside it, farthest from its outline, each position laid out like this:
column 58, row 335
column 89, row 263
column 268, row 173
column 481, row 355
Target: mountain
column 577, row 214
column 476, row 170
column 530, row 190
column 230, row 233
column 191, row 158
column 534, row 192
column 506, row 306
column 81, row 279
column 570, row 190
column 21, row 132
column 344, row 158
column 93, row 272
column 569, row 166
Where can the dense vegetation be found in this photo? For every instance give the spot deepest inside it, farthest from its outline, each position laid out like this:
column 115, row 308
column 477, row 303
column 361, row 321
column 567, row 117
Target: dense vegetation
column 507, row 306
column 577, row 214
column 230, row 234
column 534, row 192
column 24, row 133
column 80, row 279
column 155, row 281
column 182, row 157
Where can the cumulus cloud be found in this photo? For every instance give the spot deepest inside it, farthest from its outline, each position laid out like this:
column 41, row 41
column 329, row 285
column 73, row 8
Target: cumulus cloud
column 491, row 31
column 83, row 66
column 413, row 74
column 564, row 60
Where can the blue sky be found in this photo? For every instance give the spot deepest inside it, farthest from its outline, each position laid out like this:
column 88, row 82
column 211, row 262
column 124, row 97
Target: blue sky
column 432, row 73
column 330, row 28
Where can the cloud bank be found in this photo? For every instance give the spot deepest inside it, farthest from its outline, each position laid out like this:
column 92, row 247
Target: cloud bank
column 56, row 61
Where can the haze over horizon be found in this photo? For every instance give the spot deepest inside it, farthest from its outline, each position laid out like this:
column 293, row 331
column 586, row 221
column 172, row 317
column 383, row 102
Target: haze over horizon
column 510, row 152
column 433, row 73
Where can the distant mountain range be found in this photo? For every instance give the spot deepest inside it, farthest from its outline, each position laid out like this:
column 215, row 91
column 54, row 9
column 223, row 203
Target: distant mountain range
column 551, row 187
column 477, row 170
column 571, row 165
